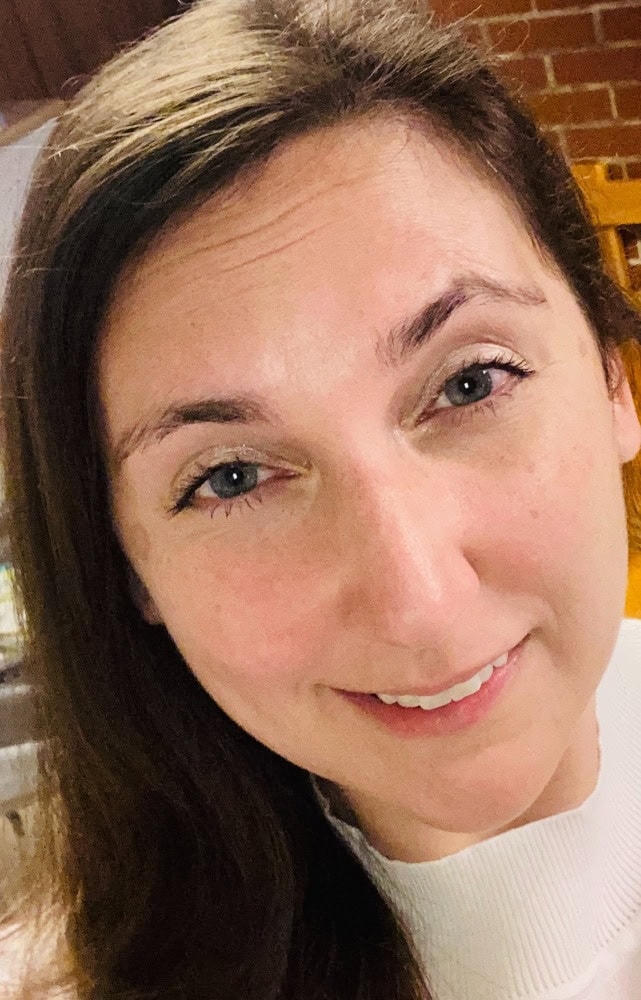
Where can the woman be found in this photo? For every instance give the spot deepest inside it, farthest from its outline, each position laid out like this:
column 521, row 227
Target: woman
column 317, row 420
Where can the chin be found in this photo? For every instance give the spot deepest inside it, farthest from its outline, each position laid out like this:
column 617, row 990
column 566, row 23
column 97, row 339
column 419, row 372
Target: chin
column 485, row 807
column 482, row 819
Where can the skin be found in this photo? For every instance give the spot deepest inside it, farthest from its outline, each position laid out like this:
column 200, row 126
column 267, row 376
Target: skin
column 397, row 540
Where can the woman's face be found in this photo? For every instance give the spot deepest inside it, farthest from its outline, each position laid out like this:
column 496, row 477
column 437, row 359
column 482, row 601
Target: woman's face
column 321, row 495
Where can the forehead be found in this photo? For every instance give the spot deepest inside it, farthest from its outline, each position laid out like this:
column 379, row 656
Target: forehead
column 342, row 233
column 388, row 173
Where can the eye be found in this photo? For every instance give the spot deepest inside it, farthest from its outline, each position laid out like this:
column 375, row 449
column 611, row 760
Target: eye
column 229, row 483
column 476, row 382
column 233, row 479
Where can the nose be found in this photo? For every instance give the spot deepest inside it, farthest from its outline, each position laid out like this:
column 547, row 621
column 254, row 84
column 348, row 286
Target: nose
column 404, row 574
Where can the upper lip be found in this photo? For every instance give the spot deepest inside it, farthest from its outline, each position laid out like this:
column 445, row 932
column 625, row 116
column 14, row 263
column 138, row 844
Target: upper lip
column 426, row 692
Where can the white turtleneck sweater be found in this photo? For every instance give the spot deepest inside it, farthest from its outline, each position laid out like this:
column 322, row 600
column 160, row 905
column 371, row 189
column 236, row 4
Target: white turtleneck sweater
column 549, row 911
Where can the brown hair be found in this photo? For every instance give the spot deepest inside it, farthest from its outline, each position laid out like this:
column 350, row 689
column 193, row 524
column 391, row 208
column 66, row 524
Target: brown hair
column 186, row 859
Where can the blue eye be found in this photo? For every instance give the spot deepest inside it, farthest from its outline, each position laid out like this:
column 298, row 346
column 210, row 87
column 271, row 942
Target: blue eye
column 474, row 383
column 233, row 479
column 471, row 385
column 227, row 482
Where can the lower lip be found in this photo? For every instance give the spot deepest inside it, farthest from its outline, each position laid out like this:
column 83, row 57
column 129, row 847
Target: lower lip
column 448, row 719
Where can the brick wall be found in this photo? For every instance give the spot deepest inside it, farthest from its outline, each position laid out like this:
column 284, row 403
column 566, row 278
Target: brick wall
column 577, row 63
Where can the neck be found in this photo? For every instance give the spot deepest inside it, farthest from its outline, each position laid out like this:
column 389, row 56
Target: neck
column 407, row 838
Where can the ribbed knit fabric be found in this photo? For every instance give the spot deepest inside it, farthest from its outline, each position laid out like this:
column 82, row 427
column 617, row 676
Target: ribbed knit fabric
column 549, row 911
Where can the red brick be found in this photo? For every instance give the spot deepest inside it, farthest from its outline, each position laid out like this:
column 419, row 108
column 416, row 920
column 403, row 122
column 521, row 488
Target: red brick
column 561, row 4
column 578, row 108
column 598, row 66
column 635, row 277
column 612, row 140
column 474, row 34
column 634, row 170
column 494, row 8
column 561, row 31
column 622, row 25
column 449, row 10
column 529, row 71
column 616, row 172
column 628, row 101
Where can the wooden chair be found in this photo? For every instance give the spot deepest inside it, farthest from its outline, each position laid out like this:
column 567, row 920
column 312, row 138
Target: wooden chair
column 613, row 204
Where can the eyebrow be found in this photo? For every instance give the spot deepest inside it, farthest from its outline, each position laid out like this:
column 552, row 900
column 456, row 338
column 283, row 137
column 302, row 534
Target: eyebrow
column 408, row 336
column 396, row 347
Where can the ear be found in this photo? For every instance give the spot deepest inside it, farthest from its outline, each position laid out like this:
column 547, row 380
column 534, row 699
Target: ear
column 143, row 599
column 627, row 429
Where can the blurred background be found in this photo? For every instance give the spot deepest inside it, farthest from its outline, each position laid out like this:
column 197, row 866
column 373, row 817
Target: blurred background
column 576, row 63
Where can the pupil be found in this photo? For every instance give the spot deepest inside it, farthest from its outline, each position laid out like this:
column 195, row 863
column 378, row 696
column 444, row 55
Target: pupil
column 234, row 479
column 477, row 384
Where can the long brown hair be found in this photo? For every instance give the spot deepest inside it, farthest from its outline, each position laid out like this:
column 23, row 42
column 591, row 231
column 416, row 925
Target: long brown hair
column 185, row 859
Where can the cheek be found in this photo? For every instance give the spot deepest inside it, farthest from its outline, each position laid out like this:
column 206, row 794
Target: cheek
column 247, row 611
column 138, row 543
column 577, row 478
column 256, row 623
column 562, row 513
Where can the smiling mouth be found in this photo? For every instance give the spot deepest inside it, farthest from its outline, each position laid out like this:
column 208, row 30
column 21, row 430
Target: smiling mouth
column 442, row 713
column 454, row 693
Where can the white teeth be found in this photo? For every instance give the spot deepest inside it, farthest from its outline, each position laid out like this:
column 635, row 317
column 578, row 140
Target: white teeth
column 487, row 672
column 435, row 700
column 464, row 690
column 456, row 693
column 409, row 700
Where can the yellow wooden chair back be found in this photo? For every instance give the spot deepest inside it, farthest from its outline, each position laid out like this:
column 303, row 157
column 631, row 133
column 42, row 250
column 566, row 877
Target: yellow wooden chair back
column 613, row 204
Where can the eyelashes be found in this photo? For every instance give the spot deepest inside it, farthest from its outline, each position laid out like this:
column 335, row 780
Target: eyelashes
column 479, row 369
column 239, row 483
column 239, row 474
